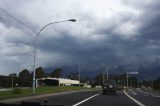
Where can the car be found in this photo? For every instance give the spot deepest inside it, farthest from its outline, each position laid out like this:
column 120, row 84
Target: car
column 109, row 87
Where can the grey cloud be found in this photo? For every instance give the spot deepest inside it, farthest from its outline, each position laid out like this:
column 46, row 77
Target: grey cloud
column 92, row 41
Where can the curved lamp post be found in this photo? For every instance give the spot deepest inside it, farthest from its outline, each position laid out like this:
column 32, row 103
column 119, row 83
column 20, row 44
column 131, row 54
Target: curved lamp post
column 35, row 46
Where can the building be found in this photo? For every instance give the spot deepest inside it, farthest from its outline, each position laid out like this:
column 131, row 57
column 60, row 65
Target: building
column 56, row 82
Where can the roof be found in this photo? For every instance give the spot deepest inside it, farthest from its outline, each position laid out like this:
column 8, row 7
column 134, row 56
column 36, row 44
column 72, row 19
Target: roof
column 61, row 80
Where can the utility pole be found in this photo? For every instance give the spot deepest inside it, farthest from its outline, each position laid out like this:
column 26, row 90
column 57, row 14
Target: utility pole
column 12, row 80
column 107, row 71
column 124, row 82
column 79, row 73
column 103, row 75
column 121, row 83
column 127, row 80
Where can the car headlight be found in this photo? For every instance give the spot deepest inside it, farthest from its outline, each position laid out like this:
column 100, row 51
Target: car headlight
column 110, row 86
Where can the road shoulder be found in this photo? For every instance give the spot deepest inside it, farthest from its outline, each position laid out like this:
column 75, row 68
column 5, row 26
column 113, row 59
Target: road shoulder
column 38, row 96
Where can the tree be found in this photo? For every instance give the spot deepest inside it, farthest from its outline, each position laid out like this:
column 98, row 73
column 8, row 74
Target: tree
column 73, row 76
column 57, row 73
column 25, row 78
column 40, row 73
column 86, row 80
column 4, row 82
column 98, row 79
column 15, row 79
column 156, row 83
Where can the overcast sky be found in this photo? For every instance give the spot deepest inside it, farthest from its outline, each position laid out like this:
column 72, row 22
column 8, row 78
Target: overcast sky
column 118, row 32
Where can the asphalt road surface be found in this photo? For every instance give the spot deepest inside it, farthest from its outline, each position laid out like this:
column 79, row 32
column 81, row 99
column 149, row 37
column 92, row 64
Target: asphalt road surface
column 133, row 97
column 147, row 98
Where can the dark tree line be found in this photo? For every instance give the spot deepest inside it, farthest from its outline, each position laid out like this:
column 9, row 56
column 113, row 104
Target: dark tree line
column 120, row 80
column 156, row 83
column 25, row 77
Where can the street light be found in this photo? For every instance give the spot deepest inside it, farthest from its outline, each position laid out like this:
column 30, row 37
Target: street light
column 35, row 46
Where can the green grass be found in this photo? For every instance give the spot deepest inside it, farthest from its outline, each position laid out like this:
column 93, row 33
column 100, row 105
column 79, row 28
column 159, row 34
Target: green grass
column 39, row 91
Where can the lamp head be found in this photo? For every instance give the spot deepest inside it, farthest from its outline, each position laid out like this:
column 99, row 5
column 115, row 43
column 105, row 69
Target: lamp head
column 72, row 20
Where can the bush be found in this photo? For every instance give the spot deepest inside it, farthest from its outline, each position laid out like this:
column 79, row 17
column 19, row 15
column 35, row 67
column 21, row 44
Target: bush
column 16, row 91
column 156, row 84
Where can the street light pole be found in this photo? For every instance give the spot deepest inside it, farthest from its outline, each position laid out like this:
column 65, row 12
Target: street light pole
column 103, row 75
column 127, row 80
column 127, row 73
column 107, row 71
column 35, row 47
column 79, row 73
column 12, row 80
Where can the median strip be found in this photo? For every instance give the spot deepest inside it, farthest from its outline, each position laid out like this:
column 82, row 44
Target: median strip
column 136, row 101
column 86, row 99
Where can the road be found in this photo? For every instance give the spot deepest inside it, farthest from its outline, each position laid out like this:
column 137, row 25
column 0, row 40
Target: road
column 147, row 98
column 96, row 98
column 133, row 97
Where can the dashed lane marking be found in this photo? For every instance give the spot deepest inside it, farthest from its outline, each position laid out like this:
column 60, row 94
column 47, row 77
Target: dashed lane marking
column 153, row 95
column 86, row 99
column 157, row 96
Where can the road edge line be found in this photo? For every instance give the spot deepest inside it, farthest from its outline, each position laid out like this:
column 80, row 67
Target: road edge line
column 136, row 101
column 86, row 99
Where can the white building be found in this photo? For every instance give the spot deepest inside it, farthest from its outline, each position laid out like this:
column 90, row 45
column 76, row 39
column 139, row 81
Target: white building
column 55, row 82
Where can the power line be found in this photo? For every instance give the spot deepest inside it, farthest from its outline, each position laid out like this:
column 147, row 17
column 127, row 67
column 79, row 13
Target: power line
column 26, row 26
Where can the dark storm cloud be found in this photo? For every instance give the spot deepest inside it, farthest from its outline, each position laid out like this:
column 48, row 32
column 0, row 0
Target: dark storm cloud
column 129, row 36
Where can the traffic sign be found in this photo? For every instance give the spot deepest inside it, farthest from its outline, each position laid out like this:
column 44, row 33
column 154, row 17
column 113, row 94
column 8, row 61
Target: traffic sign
column 133, row 72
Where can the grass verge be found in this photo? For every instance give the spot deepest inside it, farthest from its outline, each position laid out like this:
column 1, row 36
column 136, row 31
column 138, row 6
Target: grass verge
column 39, row 91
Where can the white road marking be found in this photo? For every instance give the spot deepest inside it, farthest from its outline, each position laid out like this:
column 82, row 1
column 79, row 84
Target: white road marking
column 86, row 99
column 153, row 95
column 136, row 101
column 156, row 96
column 134, row 93
column 144, row 92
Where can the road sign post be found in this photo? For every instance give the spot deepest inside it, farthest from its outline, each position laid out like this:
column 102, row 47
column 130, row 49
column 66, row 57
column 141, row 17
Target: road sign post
column 127, row 73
